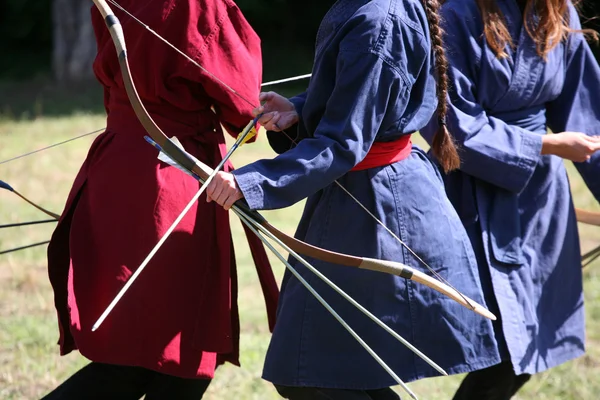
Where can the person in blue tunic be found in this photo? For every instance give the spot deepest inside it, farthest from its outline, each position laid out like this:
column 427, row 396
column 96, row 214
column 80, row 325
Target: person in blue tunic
column 518, row 68
column 378, row 72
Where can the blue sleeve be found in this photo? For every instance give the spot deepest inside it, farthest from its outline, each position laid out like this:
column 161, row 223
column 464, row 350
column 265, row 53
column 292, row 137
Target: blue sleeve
column 283, row 141
column 490, row 150
column 578, row 106
column 344, row 135
column 299, row 102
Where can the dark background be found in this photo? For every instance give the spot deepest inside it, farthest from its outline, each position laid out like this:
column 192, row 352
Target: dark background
column 27, row 86
column 286, row 27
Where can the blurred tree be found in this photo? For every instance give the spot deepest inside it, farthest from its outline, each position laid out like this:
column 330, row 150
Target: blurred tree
column 56, row 36
column 73, row 38
column 25, row 37
column 287, row 29
column 590, row 11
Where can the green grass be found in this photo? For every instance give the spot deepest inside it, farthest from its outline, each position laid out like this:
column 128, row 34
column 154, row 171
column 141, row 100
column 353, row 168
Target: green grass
column 29, row 361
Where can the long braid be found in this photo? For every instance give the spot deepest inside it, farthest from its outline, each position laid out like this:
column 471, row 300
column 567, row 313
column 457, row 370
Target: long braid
column 443, row 146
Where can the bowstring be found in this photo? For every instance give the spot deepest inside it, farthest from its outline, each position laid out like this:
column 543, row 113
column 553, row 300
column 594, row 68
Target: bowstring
column 24, row 247
column 18, row 224
column 52, row 145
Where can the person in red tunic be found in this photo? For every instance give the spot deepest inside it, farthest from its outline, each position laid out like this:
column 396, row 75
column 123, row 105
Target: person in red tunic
column 179, row 321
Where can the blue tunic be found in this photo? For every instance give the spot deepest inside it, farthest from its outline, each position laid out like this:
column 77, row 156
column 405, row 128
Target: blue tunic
column 372, row 81
column 515, row 203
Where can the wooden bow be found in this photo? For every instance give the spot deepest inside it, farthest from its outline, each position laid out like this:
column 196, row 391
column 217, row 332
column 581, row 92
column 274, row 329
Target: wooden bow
column 587, row 217
column 590, row 218
column 202, row 172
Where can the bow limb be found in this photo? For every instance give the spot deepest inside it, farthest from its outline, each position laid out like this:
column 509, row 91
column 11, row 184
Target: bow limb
column 4, row 185
column 590, row 218
column 587, row 217
column 55, row 217
column 390, row 267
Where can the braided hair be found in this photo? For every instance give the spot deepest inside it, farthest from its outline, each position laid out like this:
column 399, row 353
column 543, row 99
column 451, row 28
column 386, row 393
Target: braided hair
column 443, row 146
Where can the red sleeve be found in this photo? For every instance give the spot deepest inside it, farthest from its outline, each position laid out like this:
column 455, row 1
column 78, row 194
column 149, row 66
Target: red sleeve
column 229, row 49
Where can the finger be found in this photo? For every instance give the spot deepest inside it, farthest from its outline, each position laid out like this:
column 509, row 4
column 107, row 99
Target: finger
column 275, row 120
column 229, row 201
column 270, row 125
column 594, row 147
column 209, row 192
column 595, row 138
column 218, row 189
column 222, row 199
column 273, row 124
column 591, row 146
column 266, row 96
column 257, row 111
column 266, row 117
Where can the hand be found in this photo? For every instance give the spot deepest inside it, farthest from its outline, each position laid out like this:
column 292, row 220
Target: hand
column 574, row 146
column 223, row 190
column 278, row 112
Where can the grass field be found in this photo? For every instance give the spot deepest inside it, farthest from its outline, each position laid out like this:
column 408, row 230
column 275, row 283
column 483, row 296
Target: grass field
column 29, row 361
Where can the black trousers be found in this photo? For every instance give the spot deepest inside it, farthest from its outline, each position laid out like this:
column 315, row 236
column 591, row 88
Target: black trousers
column 308, row 393
column 498, row 382
column 98, row 381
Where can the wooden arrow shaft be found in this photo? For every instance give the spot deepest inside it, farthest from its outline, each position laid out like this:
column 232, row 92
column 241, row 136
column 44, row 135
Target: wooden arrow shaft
column 587, row 217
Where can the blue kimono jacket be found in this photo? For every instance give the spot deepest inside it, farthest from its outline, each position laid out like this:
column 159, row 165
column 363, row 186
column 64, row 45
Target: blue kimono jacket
column 372, row 81
column 516, row 203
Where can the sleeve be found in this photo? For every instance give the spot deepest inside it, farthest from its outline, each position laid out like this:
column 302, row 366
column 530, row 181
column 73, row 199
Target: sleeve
column 490, row 150
column 227, row 47
column 578, row 106
column 281, row 142
column 344, row 135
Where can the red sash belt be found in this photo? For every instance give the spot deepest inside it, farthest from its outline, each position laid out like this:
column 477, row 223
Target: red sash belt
column 386, row 153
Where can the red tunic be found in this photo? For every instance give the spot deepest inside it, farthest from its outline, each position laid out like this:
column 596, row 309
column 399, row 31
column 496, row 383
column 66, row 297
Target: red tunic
column 180, row 317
